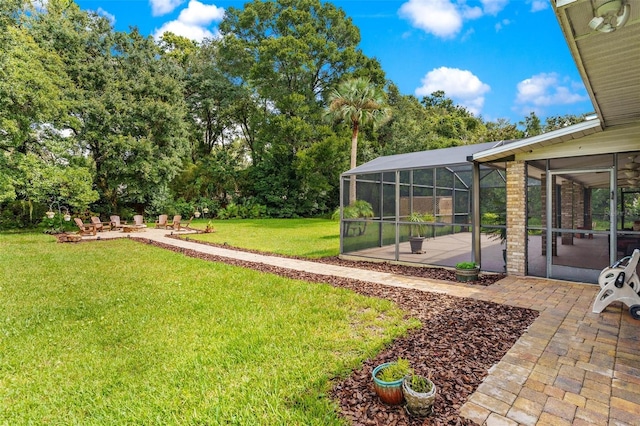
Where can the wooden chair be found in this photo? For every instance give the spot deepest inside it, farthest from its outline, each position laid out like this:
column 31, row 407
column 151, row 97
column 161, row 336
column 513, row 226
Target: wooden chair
column 175, row 224
column 98, row 224
column 162, row 221
column 138, row 220
column 89, row 229
column 116, row 223
column 188, row 224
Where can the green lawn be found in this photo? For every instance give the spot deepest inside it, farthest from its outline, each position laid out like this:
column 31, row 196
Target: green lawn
column 312, row 238
column 117, row 332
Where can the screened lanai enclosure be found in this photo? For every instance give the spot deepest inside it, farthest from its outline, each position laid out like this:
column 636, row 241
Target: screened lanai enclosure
column 591, row 218
column 388, row 201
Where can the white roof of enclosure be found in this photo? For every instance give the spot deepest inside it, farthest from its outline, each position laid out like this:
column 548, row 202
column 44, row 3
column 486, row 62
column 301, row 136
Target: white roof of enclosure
column 419, row 160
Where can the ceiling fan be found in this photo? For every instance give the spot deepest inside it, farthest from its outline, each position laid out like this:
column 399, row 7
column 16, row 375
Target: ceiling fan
column 610, row 16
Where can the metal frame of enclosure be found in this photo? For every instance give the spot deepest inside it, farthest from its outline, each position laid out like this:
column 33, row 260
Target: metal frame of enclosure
column 439, row 183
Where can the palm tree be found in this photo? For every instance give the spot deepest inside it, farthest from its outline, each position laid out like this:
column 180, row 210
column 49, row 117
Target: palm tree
column 357, row 102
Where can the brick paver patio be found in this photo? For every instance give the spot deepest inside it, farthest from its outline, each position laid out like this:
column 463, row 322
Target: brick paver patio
column 570, row 367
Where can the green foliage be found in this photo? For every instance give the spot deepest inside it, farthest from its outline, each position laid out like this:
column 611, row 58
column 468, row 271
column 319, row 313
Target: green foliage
column 419, row 383
column 395, row 371
column 248, row 210
column 235, row 118
column 466, row 265
column 357, row 102
column 532, row 125
column 57, row 224
column 359, row 209
column 32, row 82
column 502, row 130
column 497, row 233
column 418, row 221
column 560, row 121
column 87, row 349
column 291, row 51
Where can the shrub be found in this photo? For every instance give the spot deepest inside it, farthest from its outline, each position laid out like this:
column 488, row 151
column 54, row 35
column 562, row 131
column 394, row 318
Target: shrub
column 466, row 265
column 395, row 371
column 419, row 384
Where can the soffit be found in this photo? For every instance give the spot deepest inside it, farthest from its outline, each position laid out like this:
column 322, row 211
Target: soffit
column 530, row 145
column 608, row 62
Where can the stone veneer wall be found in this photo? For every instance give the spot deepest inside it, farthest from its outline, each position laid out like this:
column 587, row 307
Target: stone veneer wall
column 516, row 217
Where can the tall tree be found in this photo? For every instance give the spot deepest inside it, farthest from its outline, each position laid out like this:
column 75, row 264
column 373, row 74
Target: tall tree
column 532, row 125
column 357, row 101
column 291, row 51
column 286, row 55
column 126, row 101
column 555, row 122
column 450, row 124
column 502, row 130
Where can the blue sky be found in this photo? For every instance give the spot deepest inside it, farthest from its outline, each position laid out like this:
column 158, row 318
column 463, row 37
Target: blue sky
column 498, row 58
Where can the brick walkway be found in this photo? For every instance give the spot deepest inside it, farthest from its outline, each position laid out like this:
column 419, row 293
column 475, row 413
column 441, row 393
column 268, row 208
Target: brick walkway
column 570, row 367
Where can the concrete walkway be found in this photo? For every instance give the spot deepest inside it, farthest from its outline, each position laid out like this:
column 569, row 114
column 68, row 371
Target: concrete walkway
column 570, row 367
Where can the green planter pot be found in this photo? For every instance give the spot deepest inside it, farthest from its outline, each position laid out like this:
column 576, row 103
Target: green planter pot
column 389, row 392
column 464, row 275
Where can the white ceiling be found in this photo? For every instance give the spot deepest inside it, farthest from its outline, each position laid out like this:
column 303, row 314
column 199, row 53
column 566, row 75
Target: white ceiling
column 608, row 62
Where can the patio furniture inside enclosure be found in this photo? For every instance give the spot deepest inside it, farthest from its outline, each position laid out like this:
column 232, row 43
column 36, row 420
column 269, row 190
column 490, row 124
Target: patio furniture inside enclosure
column 437, row 185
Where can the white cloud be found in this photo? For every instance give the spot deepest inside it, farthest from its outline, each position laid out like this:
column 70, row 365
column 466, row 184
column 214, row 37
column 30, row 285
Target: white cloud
column 502, row 24
column 193, row 22
column 493, row 7
column 438, row 17
column 444, row 18
column 111, row 18
column 162, row 7
column 547, row 89
column 538, row 5
column 460, row 85
column 198, row 13
column 471, row 12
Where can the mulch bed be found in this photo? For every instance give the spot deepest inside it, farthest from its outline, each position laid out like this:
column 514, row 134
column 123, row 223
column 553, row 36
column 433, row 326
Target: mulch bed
column 460, row 339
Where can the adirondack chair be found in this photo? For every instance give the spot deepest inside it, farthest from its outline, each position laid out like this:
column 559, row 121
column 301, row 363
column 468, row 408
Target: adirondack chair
column 88, row 229
column 116, row 223
column 175, row 224
column 98, row 224
column 162, row 221
column 138, row 221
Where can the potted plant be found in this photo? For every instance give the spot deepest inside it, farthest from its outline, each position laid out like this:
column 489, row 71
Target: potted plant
column 417, row 231
column 467, row 271
column 359, row 209
column 420, row 393
column 387, row 380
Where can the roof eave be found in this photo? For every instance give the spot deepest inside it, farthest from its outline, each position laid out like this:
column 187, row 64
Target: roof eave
column 561, row 135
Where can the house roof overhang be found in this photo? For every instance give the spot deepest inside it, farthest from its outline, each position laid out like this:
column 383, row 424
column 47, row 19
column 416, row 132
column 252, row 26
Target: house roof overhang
column 607, row 62
column 565, row 134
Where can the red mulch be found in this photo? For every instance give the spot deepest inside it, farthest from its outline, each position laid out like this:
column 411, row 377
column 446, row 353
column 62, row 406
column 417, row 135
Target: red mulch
column 460, row 339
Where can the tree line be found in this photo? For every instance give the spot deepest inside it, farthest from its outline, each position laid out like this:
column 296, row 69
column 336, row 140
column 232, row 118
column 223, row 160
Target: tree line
column 252, row 123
